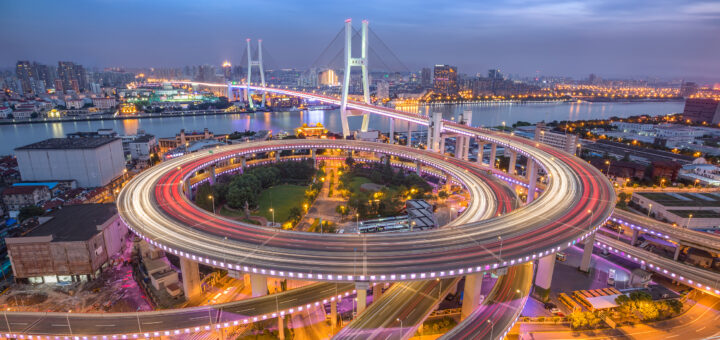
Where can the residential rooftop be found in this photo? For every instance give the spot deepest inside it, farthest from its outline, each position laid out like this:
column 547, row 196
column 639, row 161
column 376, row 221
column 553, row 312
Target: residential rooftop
column 75, row 222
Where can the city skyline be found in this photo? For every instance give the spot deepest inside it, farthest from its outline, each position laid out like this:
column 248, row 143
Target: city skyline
column 524, row 37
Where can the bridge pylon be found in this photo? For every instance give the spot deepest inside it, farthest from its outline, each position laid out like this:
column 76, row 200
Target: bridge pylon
column 259, row 64
column 350, row 62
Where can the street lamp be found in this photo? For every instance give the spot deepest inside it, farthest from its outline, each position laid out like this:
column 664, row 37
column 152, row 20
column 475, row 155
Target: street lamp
column 688, row 222
column 492, row 328
column 401, row 327
column 357, row 222
column 608, row 168
column 649, row 208
column 273, row 216
column 213, row 202
column 500, row 239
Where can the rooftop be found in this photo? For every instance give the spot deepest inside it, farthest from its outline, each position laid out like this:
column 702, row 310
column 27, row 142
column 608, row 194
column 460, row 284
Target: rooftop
column 69, row 143
column 22, row 190
column 75, row 222
column 694, row 199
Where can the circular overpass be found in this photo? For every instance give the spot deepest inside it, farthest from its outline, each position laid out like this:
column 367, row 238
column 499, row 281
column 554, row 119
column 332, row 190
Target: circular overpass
column 576, row 201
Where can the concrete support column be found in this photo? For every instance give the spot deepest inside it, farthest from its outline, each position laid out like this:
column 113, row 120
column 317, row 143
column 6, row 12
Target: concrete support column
column 513, row 160
column 212, row 174
column 191, row 277
column 471, row 294
column 480, row 152
column 277, row 156
column 635, row 234
column 587, row 253
column 677, row 252
column 532, row 181
column 418, row 168
column 546, row 266
column 442, row 145
column 258, row 284
column 281, row 328
column 409, row 136
column 466, row 148
column 313, row 154
column 361, row 288
column 377, row 291
column 493, row 154
column 333, row 314
column 187, row 188
column 391, row 135
column 243, row 163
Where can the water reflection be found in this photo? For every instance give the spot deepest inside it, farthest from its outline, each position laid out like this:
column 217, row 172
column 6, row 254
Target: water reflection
column 483, row 115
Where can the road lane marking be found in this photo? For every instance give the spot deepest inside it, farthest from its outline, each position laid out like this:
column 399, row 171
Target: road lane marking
column 200, row 317
column 105, row 325
column 151, row 323
column 59, row 325
column 699, row 329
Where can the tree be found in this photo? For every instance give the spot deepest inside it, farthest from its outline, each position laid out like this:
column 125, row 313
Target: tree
column 204, row 197
column 350, row 161
column 30, row 211
column 443, row 195
column 294, row 214
column 342, row 210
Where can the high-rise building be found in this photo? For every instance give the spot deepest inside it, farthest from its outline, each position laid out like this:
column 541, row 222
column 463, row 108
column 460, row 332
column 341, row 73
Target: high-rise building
column 445, row 79
column 328, row 78
column 73, row 76
column 495, row 74
column 227, row 70
column 383, row 90
column 699, row 110
column 25, row 73
column 425, row 77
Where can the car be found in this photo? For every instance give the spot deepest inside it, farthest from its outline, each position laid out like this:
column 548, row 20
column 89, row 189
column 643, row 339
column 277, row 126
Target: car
column 555, row 311
column 560, row 256
column 605, row 253
column 549, row 305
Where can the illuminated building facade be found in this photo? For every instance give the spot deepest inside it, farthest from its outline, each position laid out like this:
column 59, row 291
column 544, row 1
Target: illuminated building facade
column 699, row 110
column 445, row 79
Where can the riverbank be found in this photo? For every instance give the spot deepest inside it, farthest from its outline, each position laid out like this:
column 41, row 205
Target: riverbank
column 118, row 117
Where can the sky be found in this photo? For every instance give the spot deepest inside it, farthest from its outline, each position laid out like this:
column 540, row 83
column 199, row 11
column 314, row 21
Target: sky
column 614, row 38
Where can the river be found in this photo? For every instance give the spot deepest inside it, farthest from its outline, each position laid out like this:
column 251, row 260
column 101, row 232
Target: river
column 14, row 136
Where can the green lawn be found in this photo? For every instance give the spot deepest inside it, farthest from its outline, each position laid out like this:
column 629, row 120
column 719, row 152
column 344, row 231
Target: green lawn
column 356, row 182
column 281, row 198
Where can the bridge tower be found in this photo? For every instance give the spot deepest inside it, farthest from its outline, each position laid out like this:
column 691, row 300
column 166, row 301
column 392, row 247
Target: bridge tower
column 259, row 64
column 349, row 63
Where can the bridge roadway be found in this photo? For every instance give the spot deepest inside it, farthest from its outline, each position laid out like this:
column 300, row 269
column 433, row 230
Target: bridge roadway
column 688, row 237
column 173, row 321
column 577, row 200
column 411, row 302
column 692, row 276
column 500, row 309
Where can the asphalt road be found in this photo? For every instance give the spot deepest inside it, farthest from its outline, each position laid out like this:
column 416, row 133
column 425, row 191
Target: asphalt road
column 174, row 321
column 409, row 302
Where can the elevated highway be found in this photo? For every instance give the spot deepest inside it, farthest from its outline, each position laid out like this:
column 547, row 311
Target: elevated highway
column 684, row 236
column 170, row 322
column 692, row 276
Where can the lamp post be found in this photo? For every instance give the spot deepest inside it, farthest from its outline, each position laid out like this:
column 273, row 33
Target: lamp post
column 688, row 221
column 401, row 327
column 492, row 328
column 500, row 239
column 649, row 208
column 357, row 222
column 273, row 216
column 213, row 202
column 607, row 172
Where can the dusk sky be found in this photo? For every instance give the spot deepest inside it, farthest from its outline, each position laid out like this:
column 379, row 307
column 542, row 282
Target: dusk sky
column 615, row 38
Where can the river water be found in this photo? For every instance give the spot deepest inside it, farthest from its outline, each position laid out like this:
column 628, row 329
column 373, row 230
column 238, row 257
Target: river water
column 12, row 136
